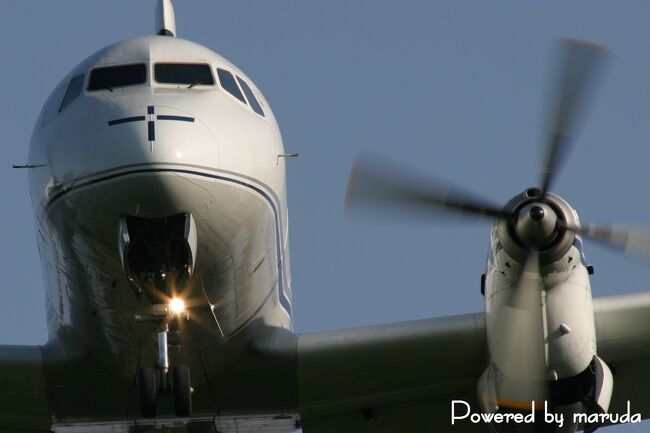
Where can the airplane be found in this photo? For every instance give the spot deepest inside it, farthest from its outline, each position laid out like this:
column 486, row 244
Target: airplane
column 157, row 177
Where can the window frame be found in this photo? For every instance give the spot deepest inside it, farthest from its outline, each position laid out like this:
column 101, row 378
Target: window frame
column 241, row 82
column 243, row 100
column 62, row 107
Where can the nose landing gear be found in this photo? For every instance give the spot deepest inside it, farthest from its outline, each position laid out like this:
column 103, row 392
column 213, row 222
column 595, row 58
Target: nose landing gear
column 153, row 382
column 158, row 256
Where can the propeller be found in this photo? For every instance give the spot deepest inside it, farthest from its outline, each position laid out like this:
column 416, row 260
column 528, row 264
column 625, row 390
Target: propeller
column 381, row 182
column 632, row 242
column 384, row 184
column 582, row 65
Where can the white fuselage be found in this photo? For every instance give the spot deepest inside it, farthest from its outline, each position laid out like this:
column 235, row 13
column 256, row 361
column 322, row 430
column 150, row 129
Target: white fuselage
column 153, row 150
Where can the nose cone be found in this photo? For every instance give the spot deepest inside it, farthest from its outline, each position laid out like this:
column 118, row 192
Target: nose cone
column 152, row 135
column 536, row 225
column 537, row 213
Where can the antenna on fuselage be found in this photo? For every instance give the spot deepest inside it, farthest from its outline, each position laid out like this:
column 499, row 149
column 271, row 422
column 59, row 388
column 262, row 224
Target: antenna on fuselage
column 165, row 20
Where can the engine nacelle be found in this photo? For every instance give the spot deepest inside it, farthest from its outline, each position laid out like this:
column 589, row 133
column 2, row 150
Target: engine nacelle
column 588, row 392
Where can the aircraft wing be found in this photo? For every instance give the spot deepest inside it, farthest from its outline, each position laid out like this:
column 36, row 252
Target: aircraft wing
column 623, row 332
column 390, row 378
column 23, row 403
column 403, row 377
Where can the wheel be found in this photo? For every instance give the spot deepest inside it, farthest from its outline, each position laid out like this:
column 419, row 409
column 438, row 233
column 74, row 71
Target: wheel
column 182, row 390
column 148, row 383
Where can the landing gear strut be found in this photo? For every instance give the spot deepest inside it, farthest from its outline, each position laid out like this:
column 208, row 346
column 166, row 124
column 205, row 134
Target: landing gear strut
column 155, row 381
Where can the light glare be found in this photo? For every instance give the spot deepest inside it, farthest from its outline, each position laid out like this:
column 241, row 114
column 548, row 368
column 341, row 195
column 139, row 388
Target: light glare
column 177, row 306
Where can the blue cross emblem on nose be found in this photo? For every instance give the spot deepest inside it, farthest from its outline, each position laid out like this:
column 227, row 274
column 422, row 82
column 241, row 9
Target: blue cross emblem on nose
column 151, row 122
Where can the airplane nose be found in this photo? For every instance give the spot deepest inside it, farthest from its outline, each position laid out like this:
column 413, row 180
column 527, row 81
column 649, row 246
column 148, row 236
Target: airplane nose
column 152, row 134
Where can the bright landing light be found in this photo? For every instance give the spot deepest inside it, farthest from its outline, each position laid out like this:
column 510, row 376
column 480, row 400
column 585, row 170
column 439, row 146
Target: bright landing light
column 176, row 306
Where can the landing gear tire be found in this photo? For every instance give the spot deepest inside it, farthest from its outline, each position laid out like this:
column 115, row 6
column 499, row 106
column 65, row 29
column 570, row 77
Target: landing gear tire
column 148, row 384
column 182, row 390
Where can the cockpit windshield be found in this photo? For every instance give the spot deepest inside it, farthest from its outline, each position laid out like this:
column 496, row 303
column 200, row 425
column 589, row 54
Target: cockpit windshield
column 110, row 77
column 191, row 74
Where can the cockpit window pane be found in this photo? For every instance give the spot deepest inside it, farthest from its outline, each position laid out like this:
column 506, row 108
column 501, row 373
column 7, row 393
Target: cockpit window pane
column 183, row 73
column 228, row 82
column 74, row 90
column 117, row 76
column 255, row 105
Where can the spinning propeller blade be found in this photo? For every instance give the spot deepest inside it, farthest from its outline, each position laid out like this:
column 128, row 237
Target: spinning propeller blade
column 630, row 242
column 380, row 182
column 581, row 65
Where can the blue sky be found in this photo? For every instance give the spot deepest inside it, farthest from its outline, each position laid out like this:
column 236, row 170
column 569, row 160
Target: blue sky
column 457, row 88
